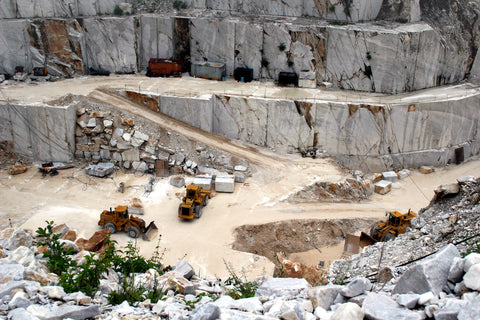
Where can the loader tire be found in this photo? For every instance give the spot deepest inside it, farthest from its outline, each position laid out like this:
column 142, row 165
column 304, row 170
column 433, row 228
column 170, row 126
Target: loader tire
column 205, row 200
column 110, row 227
column 198, row 211
column 133, row 232
column 374, row 231
column 388, row 236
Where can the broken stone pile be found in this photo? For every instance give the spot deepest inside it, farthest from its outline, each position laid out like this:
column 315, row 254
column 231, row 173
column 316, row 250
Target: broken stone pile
column 444, row 286
column 451, row 217
column 107, row 135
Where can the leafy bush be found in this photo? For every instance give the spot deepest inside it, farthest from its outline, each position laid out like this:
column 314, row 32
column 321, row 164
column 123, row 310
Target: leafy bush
column 117, row 10
column 59, row 259
column 265, row 62
column 290, row 63
column 177, row 4
column 86, row 277
column 241, row 288
column 282, row 46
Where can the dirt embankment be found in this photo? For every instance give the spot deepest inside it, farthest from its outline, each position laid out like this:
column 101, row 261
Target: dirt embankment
column 295, row 236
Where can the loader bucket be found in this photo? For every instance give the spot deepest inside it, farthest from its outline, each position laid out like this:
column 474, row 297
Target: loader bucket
column 366, row 240
column 352, row 244
column 150, row 232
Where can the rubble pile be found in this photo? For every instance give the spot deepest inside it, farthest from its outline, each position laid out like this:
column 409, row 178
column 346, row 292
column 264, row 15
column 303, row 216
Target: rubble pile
column 450, row 218
column 444, row 286
column 104, row 134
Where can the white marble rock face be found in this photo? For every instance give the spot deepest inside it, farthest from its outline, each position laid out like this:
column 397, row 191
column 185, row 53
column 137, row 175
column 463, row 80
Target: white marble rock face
column 110, row 44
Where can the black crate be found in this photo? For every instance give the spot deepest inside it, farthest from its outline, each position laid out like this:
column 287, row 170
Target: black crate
column 245, row 74
column 288, row 78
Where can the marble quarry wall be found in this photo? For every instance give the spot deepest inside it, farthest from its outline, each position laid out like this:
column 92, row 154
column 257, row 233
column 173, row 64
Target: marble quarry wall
column 43, row 133
column 359, row 136
column 387, row 58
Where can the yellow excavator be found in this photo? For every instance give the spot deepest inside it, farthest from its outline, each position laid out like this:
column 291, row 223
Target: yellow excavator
column 120, row 220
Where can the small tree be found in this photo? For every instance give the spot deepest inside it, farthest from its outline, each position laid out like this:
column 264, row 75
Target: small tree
column 117, row 10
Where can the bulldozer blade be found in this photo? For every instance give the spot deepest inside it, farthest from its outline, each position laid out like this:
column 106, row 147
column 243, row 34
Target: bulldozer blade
column 366, row 240
column 151, row 232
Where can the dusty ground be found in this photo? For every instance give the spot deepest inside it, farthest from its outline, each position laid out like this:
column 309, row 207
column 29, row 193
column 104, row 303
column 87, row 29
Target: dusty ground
column 77, row 200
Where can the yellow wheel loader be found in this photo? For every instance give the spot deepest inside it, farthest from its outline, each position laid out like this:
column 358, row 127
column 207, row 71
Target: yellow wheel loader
column 120, row 220
column 195, row 199
column 396, row 224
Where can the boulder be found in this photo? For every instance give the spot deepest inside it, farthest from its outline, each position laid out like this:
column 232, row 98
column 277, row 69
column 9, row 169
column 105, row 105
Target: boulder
column 285, row 287
column 324, row 296
column 445, row 190
column 472, row 277
column 426, row 169
column 63, row 311
column 456, row 272
column 348, row 311
column 204, row 182
column 383, row 187
column 184, row 268
column 100, row 170
column 471, row 310
column 18, row 238
column 356, row 287
column 252, row 305
column 20, row 300
column 390, row 176
column 408, row 300
column 470, row 260
column 17, row 169
column 429, row 274
column 177, row 181
column 95, row 242
column 380, row 307
column 402, row 174
column 450, row 309
column 225, row 184
column 11, row 271
column 206, row 312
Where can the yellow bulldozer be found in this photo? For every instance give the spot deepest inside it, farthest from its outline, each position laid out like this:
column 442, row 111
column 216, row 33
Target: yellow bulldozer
column 120, row 220
column 195, row 199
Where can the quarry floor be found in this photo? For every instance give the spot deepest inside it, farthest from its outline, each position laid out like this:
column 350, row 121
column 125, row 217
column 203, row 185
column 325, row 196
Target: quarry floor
column 73, row 198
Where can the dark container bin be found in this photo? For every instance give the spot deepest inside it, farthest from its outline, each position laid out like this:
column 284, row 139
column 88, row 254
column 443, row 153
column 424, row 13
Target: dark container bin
column 245, row 73
column 288, row 78
column 164, row 67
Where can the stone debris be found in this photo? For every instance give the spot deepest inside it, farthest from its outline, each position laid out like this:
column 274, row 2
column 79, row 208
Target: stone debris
column 136, row 207
column 402, row 174
column 426, row 169
column 177, row 181
column 100, row 170
column 17, row 169
column 184, row 298
column 383, row 187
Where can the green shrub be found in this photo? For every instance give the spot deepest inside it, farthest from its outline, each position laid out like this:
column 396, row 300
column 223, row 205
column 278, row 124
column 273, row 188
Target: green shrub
column 369, row 55
column 332, row 8
column 117, row 11
column 59, row 259
column 265, row 62
column 177, row 4
column 282, row 46
column 290, row 63
column 241, row 288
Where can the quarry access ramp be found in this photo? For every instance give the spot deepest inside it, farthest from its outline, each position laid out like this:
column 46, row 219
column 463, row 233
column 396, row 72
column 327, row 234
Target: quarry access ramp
column 250, row 153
